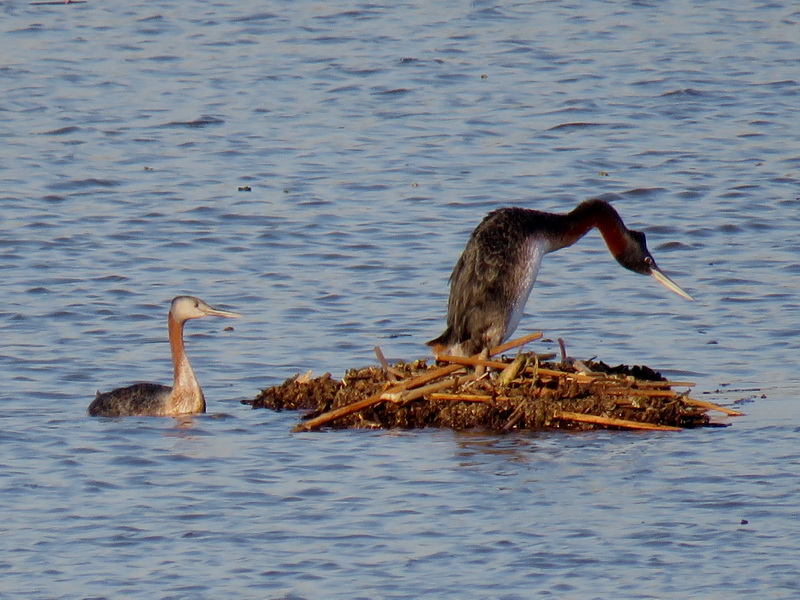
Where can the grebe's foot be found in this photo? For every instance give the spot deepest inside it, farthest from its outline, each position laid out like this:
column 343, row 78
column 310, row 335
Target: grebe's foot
column 437, row 348
column 481, row 369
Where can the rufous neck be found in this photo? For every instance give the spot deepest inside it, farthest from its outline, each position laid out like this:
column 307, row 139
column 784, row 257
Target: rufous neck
column 595, row 213
column 183, row 376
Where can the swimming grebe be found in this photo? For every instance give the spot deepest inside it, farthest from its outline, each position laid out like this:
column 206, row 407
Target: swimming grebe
column 152, row 399
column 492, row 280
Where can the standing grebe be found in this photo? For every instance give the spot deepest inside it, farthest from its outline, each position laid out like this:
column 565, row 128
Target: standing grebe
column 152, row 399
column 492, row 280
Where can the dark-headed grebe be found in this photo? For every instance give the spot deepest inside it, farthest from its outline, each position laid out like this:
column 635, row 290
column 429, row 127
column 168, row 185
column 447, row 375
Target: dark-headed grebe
column 492, row 280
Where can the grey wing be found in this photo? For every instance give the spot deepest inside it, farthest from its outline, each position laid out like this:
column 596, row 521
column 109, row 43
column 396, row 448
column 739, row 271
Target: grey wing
column 480, row 296
column 137, row 399
column 475, row 278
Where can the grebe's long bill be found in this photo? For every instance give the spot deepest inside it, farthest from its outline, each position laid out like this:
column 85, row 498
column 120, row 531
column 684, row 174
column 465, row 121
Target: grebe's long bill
column 662, row 278
column 152, row 399
column 493, row 278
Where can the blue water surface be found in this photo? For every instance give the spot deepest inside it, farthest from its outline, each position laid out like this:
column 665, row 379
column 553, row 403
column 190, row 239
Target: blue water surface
column 318, row 167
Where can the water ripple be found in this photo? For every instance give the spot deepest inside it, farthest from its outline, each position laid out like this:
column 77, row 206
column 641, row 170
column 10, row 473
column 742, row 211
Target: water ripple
column 372, row 140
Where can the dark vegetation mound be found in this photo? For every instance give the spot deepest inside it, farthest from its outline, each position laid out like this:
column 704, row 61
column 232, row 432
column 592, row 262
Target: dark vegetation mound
column 500, row 395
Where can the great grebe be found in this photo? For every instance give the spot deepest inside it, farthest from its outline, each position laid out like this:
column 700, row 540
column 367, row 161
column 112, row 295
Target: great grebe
column 492, row 280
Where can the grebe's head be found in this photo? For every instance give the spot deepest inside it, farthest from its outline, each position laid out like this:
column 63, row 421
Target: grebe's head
column 184, row 308
column 636, row 257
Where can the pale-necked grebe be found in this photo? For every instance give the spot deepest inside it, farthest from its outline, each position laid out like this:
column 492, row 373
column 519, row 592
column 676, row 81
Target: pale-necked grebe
column 492, row 280
column 152, row 399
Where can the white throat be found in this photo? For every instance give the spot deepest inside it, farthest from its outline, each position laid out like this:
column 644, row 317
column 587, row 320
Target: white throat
column 534, row 251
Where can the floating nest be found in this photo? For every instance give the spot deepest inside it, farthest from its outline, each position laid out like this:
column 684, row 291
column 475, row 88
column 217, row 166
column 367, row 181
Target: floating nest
column 502, row 394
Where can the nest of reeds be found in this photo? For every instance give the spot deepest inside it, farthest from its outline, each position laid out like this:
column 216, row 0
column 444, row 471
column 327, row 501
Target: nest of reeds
column 498, row 394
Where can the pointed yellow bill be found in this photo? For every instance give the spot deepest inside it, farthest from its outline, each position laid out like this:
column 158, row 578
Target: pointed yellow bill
column 661, row 278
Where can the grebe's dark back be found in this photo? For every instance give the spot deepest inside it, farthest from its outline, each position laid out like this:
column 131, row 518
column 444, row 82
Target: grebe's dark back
column 152, row 399
column 492, row 280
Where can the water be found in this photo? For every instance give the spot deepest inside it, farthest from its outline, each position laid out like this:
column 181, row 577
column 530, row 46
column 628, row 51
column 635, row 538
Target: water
column 373, row 138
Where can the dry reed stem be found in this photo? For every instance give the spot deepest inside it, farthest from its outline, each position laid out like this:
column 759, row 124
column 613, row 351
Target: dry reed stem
column 409, row 395
column 337, row 413
column 637, row 392
column 666, row 383
column 474, row 361
column 711, row 406
column 611, row 421
column 521, row 341
column 486, row 399
column 579, row 377
column 390, row 372
column 343, row 411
